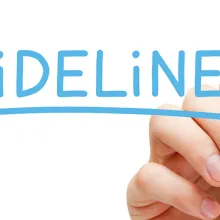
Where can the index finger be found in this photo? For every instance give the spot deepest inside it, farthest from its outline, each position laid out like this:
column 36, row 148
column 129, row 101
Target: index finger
column 186, row 137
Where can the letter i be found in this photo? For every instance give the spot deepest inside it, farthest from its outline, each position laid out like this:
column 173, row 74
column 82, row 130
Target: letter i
column 136, row 76
column 1, row 76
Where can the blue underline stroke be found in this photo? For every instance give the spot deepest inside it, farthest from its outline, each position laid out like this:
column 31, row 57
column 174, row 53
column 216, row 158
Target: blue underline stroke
column 108, row 110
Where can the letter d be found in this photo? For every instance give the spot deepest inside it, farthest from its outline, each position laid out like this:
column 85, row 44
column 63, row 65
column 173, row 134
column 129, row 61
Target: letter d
column 20, row 69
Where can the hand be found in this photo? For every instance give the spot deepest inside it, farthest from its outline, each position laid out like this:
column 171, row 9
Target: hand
column 181, row 179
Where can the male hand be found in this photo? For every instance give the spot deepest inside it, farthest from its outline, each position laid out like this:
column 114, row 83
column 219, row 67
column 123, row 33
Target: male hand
column 181, row 179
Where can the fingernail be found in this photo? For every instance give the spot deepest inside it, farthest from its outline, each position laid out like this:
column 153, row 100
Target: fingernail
column 213, row 167
column 210, row 209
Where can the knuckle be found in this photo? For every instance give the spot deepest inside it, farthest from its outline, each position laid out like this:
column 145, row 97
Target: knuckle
column 141, row 176
column 146, row 175
column 157, row 122
column 191, row 102
column 189, row 99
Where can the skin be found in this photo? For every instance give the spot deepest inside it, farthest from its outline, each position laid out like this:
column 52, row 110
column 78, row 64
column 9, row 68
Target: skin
column 181, row 179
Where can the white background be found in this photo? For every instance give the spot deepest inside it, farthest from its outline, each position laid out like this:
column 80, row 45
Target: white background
column 77, row 166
